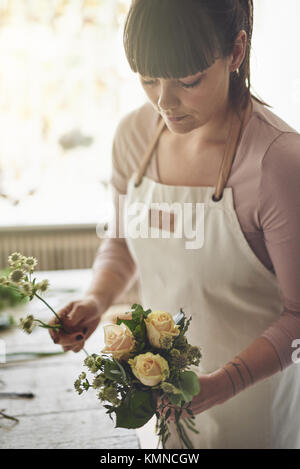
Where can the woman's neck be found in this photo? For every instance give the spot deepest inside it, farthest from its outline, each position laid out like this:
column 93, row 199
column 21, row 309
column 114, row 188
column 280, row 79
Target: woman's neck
column 214, row 133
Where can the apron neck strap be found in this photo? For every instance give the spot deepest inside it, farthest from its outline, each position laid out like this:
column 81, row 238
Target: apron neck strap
column 149, row 151
column 232, row 143
column 234, row 137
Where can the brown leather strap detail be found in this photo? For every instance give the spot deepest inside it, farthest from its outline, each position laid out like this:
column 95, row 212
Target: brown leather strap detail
column 237, row 126
column 149, row 152
column 161, row 220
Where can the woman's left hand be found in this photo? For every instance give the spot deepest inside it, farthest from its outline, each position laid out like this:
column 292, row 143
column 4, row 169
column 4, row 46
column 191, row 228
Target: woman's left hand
column 215, row 388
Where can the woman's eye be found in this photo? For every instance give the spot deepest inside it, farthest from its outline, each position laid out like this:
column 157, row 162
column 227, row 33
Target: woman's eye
column 148, row 82
column 184, row 85
column 191, row 85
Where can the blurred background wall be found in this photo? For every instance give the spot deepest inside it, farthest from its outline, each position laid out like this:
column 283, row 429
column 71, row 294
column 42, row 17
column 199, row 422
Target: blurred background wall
column 64, row 85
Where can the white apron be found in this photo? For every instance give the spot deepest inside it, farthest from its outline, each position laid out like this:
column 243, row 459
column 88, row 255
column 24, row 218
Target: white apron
column 232, row 298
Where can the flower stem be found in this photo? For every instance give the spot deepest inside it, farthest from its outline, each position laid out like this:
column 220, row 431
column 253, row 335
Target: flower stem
column 42, row 299
column 47, row 325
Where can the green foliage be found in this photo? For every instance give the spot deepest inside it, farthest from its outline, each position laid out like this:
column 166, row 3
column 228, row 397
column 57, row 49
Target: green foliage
column 175, row 399
column 137, row 327
column 115, row 371
column 122, row 372
column 10, row 296
column 136, row 409
column 112, row 371
column 189, row 385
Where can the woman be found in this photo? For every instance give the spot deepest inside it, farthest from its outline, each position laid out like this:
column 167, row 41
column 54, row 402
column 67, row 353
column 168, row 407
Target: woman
column 207, row 140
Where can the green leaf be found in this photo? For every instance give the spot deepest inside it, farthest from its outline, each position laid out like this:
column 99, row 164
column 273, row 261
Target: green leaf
column 191, row 421
column 186, row 325
column 122, row 371
column 190, row 427
column 184, row 437
column 190, row 412
column 128, row 322
column 168, row 413
column 175, row 399
column 110, row 369
column 137, row 408
column 137, row 315
column 137, row 309
column 189, row 385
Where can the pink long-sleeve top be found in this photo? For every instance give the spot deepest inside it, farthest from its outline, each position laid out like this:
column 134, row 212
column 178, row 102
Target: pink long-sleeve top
column 265, row 178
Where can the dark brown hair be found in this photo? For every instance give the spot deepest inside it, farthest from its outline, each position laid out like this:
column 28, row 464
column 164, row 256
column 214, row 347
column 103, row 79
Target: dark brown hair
column 177, row 38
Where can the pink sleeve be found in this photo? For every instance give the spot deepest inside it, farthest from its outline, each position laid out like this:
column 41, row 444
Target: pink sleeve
column 113, row 254
column 279, row 213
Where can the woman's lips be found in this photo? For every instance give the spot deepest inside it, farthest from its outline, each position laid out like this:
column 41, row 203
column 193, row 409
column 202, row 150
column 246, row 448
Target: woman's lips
column 175, row 119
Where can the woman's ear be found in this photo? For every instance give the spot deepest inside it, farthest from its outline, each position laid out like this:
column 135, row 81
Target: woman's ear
column 239, row 51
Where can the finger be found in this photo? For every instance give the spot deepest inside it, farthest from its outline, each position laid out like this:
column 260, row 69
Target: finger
column 66, row 309
column 76, row 313
column 54, row 332
column 126, row 315
column 78, row 348
column 62, row 335
column 63, row 312
column 67, row 349
column 71, row 340
column 67, row 326
column 54, row 335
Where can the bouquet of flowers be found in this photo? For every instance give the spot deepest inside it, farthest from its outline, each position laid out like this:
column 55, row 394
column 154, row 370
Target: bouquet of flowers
column 145, row 360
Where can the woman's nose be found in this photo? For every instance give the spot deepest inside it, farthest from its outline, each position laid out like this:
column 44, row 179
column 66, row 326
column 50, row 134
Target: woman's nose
column 167, row 100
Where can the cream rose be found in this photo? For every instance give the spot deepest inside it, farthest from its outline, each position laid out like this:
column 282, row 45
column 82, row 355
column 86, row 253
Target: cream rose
column 150, row 369
column 119, row 341
column 159, row 326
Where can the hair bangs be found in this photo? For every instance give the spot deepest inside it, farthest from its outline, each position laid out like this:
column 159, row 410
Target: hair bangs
column 162, row 39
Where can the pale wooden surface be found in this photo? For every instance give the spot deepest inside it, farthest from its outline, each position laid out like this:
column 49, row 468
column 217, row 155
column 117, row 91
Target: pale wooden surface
column 57, row 417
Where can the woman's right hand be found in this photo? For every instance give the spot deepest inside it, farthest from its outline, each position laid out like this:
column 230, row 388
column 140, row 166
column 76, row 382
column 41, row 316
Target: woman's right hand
column 80, row 319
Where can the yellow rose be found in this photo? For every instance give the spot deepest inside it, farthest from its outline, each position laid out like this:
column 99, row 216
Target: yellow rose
column 119, row 341
column 150, row 369
column 159, row 326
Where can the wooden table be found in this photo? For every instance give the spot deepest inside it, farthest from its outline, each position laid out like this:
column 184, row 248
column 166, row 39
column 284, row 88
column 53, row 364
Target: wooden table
column 57, row 417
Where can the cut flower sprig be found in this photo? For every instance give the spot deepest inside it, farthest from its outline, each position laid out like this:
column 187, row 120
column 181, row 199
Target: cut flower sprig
column 21, row 269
